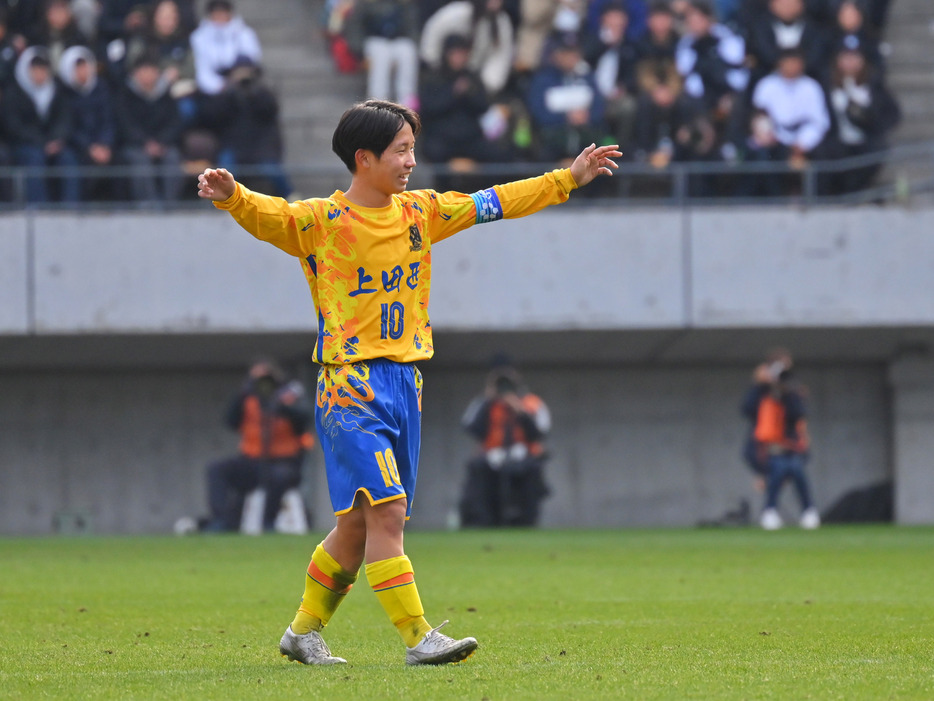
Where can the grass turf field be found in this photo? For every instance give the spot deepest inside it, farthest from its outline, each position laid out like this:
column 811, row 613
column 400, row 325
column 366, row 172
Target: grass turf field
column 841, row 613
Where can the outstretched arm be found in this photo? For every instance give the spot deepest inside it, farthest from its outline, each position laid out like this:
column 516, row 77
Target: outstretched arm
column 593, row 161
column 216, row 184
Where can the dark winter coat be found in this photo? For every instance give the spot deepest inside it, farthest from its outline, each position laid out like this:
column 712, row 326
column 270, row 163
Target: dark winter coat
column 141, row 118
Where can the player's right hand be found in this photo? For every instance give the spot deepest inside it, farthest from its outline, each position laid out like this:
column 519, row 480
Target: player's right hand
column 216, row 184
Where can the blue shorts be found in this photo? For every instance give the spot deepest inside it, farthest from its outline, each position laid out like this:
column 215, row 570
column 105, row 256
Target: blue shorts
column 368, row 416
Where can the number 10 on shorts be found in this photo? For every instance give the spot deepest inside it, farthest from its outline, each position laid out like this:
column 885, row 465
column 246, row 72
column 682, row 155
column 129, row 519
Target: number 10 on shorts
column 388, row 467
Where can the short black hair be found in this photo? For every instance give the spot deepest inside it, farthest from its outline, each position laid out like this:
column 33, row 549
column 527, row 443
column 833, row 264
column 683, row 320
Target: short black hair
column 371, row 125
column 705, row 7
column 219, row 5
column 791, row 52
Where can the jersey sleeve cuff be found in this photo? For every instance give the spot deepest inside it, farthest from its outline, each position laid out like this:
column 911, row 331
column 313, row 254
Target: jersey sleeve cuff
column 231, row 201
column 565, row 180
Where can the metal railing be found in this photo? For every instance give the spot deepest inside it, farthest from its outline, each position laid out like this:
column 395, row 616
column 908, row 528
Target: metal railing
column 904, row 172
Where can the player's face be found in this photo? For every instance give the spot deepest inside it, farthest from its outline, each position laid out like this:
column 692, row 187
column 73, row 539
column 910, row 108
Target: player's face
column 390, row 172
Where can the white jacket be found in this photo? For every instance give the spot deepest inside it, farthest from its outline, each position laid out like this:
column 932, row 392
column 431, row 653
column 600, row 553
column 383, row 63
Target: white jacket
column 796, row 107
column 215, row 48
column 493, row 62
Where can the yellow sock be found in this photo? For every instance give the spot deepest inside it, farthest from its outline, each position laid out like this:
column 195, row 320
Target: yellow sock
column 393, row 581
column 326, row 585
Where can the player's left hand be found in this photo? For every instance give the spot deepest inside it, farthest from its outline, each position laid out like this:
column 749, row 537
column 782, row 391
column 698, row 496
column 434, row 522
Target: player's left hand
column 593, row 161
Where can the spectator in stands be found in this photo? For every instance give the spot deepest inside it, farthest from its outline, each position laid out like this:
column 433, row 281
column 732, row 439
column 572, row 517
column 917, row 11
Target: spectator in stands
column 245, row 116
column 87, row 14
column 272, row 414
column 710, row 58
column 660, row 40
column 790, row 119
column 613, row 59
column 6, row 156
column 662, row 112
column 490, row 32
column 120, row 20
column 123, row 22
column 336, row 14
column 564, row 102
column 57, row 30
column 862, row 112
column 539, row 19
column 783, row 27
column 37, row 123
column 851, row 31
column 92, row 133
column 8, row 51
column 22, row 18
column 167, row 40
column 453, row 99
column 220, row 39
column 149, row 128
column 637, row 12
column 385, row 33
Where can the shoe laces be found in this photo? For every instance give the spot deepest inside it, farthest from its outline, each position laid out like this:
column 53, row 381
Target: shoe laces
column 433, row 637
column 316, row 645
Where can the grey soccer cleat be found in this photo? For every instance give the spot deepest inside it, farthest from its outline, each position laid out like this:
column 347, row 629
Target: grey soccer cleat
column 307, row 649
column 437, row 648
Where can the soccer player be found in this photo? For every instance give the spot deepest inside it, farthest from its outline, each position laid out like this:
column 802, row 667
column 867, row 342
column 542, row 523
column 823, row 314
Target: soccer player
column 366, row 254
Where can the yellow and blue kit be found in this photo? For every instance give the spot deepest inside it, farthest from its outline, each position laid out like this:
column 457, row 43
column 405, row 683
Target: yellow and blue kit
column 369, row 270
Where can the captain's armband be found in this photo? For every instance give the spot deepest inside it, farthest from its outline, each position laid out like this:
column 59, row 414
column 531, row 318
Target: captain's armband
column 487, row 205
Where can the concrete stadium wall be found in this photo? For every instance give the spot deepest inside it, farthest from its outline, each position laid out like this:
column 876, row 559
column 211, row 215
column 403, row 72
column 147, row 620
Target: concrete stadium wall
column 646, row 430
column 569, row 268
column 124, row 451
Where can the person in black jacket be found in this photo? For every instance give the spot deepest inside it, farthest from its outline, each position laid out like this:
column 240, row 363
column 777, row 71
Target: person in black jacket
column 37, row 124
column 862, row 113
column 453, row 100
column 8, row 49
column 57, row 30
column 245, row 118
column 851, row 30
column 784, row 27
column 149, row 128
column 92, row 134
column 613, row 58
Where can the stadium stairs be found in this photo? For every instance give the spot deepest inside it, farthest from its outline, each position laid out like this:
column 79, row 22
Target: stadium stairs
column 297, row 64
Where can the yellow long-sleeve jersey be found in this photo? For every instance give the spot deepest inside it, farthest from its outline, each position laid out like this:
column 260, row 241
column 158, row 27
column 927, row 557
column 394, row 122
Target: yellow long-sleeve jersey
column 369, row 269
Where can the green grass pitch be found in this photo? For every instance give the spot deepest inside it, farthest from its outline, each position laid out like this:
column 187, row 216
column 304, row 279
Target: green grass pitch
column 840, row 613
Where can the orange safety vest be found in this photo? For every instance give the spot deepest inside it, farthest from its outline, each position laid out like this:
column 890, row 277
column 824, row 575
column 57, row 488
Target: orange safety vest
column 770, row 427
column 265, row 435
column 504, row 427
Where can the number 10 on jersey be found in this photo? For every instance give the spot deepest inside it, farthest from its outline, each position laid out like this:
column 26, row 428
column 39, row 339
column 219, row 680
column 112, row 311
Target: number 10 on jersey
column 391, row 320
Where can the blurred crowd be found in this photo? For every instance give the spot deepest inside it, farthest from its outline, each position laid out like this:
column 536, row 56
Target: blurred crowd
column 669, row 80
column 142, row 84
column 171, row 86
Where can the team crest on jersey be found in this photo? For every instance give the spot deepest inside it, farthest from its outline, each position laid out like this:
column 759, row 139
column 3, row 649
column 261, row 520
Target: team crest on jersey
column 415, row 238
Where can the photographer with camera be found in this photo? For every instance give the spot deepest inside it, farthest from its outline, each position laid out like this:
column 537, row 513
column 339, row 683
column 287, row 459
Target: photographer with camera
column 778, row 444
column 505, row 481
column 272, row 415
